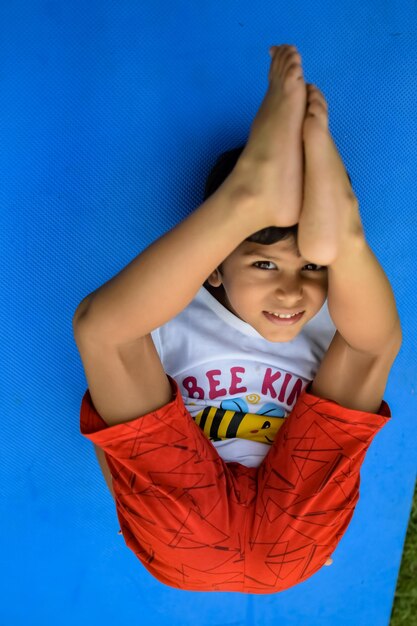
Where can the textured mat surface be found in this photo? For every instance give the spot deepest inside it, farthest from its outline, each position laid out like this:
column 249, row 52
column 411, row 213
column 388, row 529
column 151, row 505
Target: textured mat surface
column 112, row 115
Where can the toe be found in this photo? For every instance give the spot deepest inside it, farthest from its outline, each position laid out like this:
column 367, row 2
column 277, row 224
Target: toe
column 317, row 99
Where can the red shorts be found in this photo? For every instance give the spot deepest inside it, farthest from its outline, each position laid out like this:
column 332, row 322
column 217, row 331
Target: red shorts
column 200, row 524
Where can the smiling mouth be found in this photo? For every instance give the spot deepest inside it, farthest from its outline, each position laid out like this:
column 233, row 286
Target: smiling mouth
column 279, row 321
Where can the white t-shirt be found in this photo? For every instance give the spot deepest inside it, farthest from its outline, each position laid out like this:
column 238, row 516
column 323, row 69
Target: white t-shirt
column 238, row 386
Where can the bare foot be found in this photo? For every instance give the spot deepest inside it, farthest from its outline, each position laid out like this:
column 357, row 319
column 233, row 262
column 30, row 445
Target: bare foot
column 330, row 212
column 272, row 161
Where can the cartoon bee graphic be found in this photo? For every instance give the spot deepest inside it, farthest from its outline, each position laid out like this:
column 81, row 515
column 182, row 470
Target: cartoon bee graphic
column 234, row 418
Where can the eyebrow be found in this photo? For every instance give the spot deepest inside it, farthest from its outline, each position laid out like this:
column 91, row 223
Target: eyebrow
column 267, row 256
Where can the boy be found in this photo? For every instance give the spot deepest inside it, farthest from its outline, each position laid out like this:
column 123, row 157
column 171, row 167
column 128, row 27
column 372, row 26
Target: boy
column 195, row 521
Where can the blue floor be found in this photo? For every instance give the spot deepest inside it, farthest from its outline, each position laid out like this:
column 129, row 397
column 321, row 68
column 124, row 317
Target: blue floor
column 112, row 114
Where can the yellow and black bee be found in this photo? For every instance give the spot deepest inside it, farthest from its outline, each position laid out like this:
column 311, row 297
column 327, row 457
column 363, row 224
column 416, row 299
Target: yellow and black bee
column 219, row 424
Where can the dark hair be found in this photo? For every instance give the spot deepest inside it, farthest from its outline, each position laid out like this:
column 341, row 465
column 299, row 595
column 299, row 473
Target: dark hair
column 218, row 174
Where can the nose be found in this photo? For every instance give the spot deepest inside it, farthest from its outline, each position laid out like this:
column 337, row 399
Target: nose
column 289, row 291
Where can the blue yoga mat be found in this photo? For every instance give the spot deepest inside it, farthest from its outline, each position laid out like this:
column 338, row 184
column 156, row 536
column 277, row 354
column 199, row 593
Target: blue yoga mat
column 112, row 115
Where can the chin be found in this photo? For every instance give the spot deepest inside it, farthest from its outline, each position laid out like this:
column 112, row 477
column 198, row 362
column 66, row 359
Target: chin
column 282, row 334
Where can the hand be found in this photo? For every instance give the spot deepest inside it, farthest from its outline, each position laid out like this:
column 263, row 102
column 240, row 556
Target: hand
column 329, row 561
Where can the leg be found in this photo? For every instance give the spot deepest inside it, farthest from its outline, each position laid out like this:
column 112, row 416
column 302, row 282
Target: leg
column 101, row 457
column 308, row 484
column 124, row 382
column 177, row 503
column 361, row 300
column 354, row 379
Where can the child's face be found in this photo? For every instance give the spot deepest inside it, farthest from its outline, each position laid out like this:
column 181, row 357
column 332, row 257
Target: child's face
column 285, row 283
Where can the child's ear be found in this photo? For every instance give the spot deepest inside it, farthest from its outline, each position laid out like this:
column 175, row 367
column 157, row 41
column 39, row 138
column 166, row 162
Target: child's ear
column 215, row 278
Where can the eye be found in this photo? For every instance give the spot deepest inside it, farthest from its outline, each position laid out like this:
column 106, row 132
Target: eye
column 318, row 268
column 262, row 263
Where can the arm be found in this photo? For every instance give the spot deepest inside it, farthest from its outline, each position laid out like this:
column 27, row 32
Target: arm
column 160, row 282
